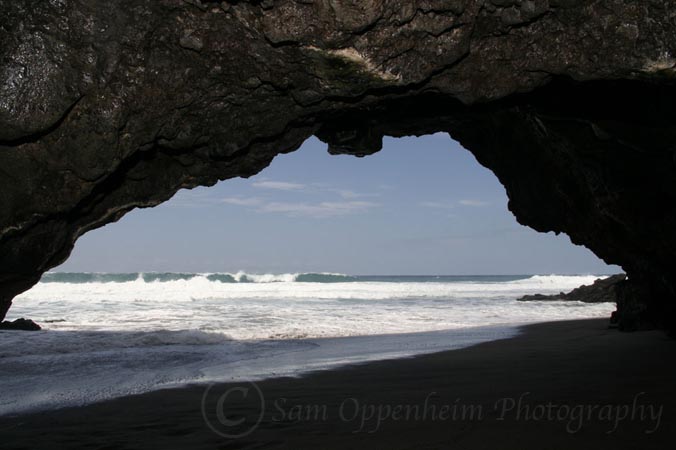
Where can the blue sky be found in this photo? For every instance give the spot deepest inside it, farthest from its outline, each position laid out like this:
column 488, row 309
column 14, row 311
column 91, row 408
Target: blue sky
column 420, row 206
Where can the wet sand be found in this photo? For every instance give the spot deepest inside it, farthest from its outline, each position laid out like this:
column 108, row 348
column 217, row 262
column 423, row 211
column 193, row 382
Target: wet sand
column 559, row 385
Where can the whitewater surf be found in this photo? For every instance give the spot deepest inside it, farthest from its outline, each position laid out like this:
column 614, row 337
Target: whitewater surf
column 108, row 335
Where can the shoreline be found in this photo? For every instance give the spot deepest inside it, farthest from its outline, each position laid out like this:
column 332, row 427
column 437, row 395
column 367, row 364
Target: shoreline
column 580, row 364
column 290, row 358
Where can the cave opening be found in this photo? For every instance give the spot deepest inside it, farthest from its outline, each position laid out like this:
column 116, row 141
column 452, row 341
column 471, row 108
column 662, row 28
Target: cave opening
column 421, row 206
column 318, row 260
column 421, row 210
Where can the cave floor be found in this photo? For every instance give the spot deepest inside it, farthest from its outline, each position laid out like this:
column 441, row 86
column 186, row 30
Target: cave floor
column 560, row 385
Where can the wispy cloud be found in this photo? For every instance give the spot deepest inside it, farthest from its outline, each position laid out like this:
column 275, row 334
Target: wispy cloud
column 349, row 195
column 475, row 203
column 437, row 205
column 242, row 201
column 317, row 210
column 344, row 202
column 278, row 185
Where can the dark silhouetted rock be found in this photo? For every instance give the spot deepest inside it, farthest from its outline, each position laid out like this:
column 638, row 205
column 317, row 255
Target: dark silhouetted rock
column 603, row 290
column 20, row 324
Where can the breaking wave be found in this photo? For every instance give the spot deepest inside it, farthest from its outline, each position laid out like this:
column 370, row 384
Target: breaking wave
column 239, row 277
column 310, row 277
column 107, row 335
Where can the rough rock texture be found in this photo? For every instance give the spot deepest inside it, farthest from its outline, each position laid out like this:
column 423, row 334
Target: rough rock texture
column 110, row 105
column 601, row 291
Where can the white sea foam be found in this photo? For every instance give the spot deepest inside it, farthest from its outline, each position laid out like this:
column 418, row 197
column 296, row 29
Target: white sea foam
column 265, row 278
column 105, row 339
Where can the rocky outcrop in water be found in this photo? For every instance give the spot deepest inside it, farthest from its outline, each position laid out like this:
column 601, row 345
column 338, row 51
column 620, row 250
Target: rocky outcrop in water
column 603, row 290
column 107, row 106
column 20, row 325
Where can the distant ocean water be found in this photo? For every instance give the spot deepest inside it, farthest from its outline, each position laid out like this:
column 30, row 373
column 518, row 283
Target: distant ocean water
column 108, row 335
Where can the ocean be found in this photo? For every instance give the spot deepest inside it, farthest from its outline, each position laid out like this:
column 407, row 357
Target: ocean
column 109, row 335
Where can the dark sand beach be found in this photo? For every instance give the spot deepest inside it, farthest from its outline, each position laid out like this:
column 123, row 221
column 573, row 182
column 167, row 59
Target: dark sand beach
column 580, row 385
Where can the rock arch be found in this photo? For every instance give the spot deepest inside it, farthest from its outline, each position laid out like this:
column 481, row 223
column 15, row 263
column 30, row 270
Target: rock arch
column 106, row 106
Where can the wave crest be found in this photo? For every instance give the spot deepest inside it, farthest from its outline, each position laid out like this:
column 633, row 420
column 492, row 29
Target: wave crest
column 161, row 277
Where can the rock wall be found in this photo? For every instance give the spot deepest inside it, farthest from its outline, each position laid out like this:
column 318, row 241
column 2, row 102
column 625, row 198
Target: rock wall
column 111, row 105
